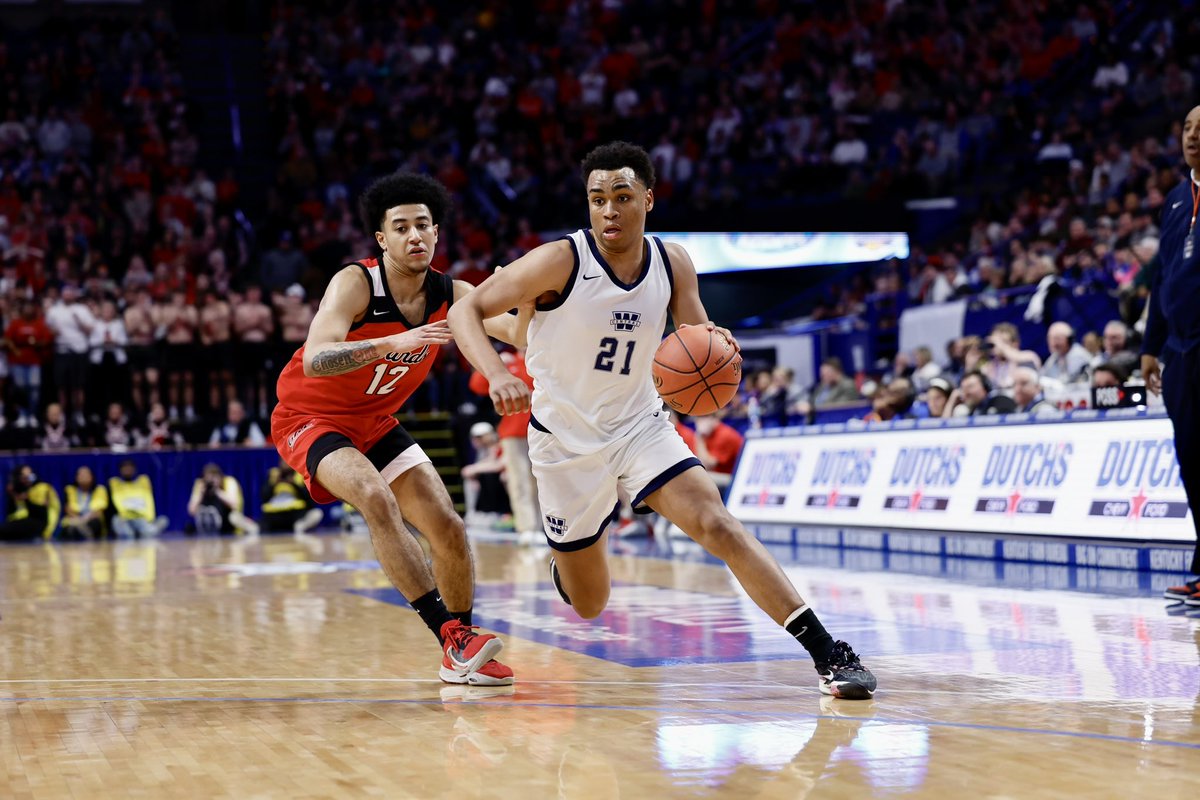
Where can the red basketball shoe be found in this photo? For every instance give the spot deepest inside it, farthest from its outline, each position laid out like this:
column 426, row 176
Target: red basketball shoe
column 1183, row 591
column 468, row 657
column 493, row 673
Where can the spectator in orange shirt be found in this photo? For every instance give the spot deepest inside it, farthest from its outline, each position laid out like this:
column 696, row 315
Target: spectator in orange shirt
column 513, row 431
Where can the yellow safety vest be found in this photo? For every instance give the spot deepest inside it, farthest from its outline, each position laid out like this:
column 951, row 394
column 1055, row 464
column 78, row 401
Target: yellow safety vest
column 80, row 502
column 132, row 499
column 286, row 495
column 41, row 494
column 229, row 486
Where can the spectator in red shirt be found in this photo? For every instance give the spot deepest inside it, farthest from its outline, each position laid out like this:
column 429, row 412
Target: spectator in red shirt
column 687, row 434
column 718, row 446
column 513, row 431
column 527, row 238
column 27, row 339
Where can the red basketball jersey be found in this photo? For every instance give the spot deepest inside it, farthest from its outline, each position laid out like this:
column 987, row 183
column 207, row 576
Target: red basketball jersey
column 377, row 389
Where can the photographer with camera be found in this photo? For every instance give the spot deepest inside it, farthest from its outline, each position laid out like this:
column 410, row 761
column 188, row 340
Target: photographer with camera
column 216, row 504
column 34, row 507
column 287, row 505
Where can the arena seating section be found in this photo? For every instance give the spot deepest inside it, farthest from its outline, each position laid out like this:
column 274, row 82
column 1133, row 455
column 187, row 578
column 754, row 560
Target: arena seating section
column 134, row 154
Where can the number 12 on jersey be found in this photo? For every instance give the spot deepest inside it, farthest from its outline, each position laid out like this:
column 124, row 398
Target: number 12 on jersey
column 608, row 353
column 380, row 371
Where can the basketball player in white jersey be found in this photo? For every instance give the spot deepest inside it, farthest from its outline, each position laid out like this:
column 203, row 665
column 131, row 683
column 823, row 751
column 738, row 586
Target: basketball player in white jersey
column 602, row 295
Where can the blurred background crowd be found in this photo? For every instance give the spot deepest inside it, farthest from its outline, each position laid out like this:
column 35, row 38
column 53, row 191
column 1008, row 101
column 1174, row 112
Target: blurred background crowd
column 161, row 256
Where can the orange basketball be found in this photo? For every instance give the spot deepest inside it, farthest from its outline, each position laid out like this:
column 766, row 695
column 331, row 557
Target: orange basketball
column 696, row 371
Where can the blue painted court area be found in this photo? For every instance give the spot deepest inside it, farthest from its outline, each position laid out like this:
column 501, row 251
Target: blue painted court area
column 651, row 626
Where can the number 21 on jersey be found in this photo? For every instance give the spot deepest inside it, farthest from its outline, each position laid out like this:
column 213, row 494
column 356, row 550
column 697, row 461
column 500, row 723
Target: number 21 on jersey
column 608, row 354
column 382, row 371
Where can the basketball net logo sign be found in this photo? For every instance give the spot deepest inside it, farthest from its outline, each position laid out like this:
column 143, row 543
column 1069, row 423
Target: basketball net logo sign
column 625, row 321
column 556, row 525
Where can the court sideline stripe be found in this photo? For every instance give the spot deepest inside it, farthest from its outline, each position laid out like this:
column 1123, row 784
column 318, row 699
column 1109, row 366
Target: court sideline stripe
column 650, row 684
column 588, row 707
column 758, row 685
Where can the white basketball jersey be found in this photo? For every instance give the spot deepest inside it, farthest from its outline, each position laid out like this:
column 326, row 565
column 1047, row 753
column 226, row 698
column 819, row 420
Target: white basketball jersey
column 590, row 351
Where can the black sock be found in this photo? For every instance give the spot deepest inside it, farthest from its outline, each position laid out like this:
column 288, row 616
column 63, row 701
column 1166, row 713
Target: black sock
column 809, row 632
column 462, row 616
column 433, row 611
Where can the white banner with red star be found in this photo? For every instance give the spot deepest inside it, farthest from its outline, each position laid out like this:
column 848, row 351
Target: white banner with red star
column 1112, row 478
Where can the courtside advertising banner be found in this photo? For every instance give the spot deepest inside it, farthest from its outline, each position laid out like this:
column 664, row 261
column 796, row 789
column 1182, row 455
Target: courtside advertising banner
column 1112, row 478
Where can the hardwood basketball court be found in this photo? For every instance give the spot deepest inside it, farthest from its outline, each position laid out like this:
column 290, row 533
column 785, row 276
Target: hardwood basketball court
column 207, row 668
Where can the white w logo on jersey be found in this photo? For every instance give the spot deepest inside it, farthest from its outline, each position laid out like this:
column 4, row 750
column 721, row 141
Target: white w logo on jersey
column 589, row 386
column 557, row 525
column 625, row 320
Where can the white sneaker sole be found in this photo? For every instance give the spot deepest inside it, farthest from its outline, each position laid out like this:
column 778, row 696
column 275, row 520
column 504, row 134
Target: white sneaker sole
column 472, row 678
column 462, row 673
column 845, row 690
column 463, row 693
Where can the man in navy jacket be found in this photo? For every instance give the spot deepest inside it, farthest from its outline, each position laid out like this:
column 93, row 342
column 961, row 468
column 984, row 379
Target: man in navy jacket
column 1173, row 334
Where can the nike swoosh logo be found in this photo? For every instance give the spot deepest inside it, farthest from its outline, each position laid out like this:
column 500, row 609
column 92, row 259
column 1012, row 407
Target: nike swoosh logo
column 589, row 277
column 802, row 631
column 1177, row 205
column 377, row 313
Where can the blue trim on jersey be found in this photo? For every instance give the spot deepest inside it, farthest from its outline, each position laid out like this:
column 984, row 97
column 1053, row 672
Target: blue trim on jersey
column 569, row 547
column 662, row 251
column 580, row 544
column 629, row 287
column 566, row 292
column 662, row 479
column 537, row 425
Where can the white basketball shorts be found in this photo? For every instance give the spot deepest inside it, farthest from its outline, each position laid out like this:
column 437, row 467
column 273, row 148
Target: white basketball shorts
column 578, row 493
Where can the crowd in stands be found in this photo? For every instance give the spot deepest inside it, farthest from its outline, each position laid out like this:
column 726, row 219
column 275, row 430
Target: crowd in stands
column 743, row 104
column 1083, row 205
column 992, row 375
column 122, row 262
column 141, row 307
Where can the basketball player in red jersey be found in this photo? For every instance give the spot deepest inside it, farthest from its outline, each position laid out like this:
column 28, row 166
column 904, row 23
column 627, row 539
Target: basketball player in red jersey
column 371, row 344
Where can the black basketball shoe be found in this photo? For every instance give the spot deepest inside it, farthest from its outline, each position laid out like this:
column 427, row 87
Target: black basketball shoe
column 558, row 581
column 844, row 676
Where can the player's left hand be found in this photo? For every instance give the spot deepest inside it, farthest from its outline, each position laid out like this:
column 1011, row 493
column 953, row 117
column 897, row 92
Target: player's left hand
column 712, row 326
column 509, row 394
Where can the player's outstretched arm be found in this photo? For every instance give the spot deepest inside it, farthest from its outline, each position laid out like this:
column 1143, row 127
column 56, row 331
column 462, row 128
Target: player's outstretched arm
column 686, row 306
column 326, row 351
column 542, row 270
column 508, row 328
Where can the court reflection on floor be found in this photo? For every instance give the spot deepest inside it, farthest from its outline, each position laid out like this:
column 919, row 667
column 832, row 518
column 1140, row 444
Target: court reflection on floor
column 135, row 660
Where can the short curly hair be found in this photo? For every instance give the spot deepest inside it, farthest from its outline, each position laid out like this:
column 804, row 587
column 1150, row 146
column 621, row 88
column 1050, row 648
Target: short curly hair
column 398, row 189
column 616, row 155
